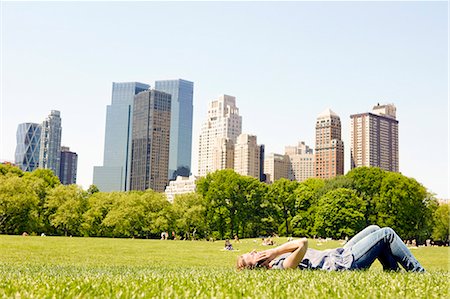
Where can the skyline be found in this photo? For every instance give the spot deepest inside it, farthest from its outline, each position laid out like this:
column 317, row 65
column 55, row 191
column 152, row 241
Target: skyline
column 284, row 63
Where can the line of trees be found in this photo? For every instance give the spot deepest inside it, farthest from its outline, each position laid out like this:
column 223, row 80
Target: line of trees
column 225, row 204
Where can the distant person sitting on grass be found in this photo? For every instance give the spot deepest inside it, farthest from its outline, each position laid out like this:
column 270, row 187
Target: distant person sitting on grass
column 228, row 245
column 267, row 242
column 359, row 252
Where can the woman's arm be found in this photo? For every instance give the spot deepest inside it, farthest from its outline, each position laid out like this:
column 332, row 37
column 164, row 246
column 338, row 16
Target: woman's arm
column 297, row 255
column 297, row 247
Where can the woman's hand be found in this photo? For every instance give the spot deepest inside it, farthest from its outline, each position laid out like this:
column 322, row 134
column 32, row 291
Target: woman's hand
column 297, row 247
column 266, row 256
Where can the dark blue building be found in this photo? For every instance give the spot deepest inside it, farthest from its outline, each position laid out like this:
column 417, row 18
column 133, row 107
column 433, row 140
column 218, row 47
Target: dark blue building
column 68, row 166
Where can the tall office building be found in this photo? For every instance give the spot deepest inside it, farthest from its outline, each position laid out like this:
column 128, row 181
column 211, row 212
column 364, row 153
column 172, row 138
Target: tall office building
column 68, row 166
column 329, row 158
column 374, row 138
column 276, row 166
column 28, row 138
column 150, row 141
column 246, row 156
column 302, row 161
column 50, row 148
column 223, row 122
column 182, row 92
column 114, row 175
column 223, row 154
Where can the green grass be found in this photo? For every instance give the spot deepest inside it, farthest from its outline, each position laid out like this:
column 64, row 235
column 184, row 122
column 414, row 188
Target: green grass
column 46, row 267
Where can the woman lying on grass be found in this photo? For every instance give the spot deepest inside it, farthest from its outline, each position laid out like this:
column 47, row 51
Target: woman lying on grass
column 359, row 252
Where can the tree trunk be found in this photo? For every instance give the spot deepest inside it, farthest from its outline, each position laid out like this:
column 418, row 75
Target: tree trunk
column 286, row 219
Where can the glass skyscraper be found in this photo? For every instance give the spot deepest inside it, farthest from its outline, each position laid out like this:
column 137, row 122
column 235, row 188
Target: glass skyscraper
column 150, row 141
column 50, row 151
column 28, row 144
column 114, row 175
column 182, row 92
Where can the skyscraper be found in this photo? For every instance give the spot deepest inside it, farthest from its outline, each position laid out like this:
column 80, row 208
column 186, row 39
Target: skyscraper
column 114, row 175
column 329, row 158
column 302, row 161
column 246, row 156
column 276, row 166
column 223, row 122
column 374, row 138
column 50, row 148
column 150, row 141
column 28, row 138
column 68, row 166
column 223, row 154
column 182, row 92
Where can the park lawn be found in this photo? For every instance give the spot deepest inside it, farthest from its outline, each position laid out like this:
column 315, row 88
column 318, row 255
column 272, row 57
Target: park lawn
column 134, row 268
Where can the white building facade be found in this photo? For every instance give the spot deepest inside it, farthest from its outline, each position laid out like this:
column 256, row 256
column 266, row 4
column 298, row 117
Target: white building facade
column 181, row 185
column 276, row 166
column 223, row 121
column 301, row 158
column 247, row 156
column 223, row 154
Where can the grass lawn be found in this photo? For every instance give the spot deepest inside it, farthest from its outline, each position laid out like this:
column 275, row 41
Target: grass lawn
column 125, row 268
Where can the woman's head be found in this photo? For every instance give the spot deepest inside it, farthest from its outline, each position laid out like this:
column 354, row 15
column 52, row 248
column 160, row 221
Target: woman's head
column 247, row 260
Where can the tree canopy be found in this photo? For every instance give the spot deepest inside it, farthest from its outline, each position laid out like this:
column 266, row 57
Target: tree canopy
column 224, row 204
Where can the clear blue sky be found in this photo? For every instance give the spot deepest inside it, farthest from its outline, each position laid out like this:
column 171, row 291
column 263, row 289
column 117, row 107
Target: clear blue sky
column 285, row 63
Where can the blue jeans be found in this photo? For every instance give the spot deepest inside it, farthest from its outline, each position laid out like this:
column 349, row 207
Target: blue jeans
column 383, row 244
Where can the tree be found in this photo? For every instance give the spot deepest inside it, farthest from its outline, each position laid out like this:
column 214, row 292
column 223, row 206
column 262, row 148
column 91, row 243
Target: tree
column 366, row 181
column 340, row 213
column 9, row 170
column 92, row 189
column 235, row 204
column 441, row 223
column 256, row 215
column 426, row 228
column 189, row 214
column 49, row 178
column 157, row 213
column 18, row 205
column 136, row 214
column 224, row 197
column 404, row 205
column 42, row 182
column 126, row 216
column 307, row 196
column 99, row 205
column 282, row 195
column 340, row 181
column 67, row 205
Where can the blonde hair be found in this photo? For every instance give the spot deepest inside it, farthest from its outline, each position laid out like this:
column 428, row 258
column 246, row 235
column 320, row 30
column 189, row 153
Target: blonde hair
column 240, row 263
